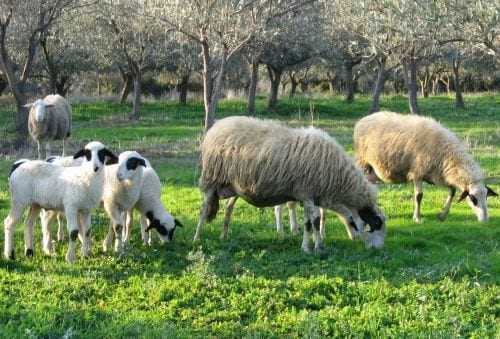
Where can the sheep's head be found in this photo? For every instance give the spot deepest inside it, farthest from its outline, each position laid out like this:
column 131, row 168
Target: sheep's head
column 96, row 155
column 477, row 195
column 374, row 234
column 165, row 225
column 39, row 107
column 130, row 163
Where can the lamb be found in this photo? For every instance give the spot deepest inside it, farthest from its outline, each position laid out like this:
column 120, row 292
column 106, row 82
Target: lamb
column 122, row 188
column 49, row 119
column 153, row 213
column 76, row 191
column 399, row 148
column 267, row 164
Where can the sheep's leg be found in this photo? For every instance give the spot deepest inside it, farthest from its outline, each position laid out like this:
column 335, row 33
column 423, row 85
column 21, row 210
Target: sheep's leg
column 322, row 220
column 108, row 240
column 313, row 215
column 85, row 224
column 129, row 221
column 306, row 239
column 39, row 149
column 73, row 227
column 278, row 211
column 209, row 196
column 63, row 147
column 345, row 215
column 292, row 216
column 60, row 228
column 28, row 230
column 418, row 201
column 146, row 237
column 227, row 216
column 46, row 218
column 447, row 204
column 118, row 222
column 9, row 227
column 47, row 149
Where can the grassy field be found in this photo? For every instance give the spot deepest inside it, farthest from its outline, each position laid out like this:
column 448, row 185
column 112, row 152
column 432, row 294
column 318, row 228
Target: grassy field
column 436, row 279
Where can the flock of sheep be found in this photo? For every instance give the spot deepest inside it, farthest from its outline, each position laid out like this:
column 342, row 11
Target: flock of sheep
column 264, row 162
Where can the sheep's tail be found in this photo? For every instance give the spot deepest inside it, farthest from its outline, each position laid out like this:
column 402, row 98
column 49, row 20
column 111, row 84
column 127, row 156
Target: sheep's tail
column 212, row 205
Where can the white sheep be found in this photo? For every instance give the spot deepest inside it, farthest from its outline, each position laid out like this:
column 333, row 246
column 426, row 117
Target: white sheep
column 153, row 213
column 122, row 188
column 49, row 119
column 399, row 148
column 76, row 191
column 267, row 164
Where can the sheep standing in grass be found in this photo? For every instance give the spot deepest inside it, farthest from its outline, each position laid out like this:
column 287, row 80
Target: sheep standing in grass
column 153, row 213
column 268, row 164
column 122, row 188
column 400, row 148
column 49, row 119
column 72, row 190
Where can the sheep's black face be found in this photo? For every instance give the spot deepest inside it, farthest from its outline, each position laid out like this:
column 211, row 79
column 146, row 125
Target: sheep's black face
column 376, row 234
column 371, row 218
column 83, row 153
column 134, row 162
column 103, row 153
column 165, row 233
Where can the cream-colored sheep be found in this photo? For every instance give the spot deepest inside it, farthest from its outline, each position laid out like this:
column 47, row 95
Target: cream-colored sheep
column 268, row 164
column 399, row 148
column 49, row 119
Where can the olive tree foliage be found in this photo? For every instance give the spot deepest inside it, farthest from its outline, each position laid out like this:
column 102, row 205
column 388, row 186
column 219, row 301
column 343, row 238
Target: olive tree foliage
column 222, row 28
column 137, row 43
column 22, row 25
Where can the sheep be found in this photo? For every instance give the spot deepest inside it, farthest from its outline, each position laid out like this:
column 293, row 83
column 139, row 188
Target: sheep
column 49, row 119
column 267, row 164
column 399, row 148
column 122, row 188
column 72, row 190
column 153, row 213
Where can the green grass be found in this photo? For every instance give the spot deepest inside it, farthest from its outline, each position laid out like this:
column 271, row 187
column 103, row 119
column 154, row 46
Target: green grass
column 436, row 279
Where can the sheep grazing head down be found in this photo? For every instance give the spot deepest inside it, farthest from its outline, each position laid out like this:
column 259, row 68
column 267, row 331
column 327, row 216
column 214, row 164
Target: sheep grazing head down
column 40, row 108
column 129, row 164
column 165, row 226
column 374, row 227
column 477, row 195
column 96, row 155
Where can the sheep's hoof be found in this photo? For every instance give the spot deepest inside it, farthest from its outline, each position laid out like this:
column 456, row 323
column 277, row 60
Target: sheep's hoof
column 106, row 246
column 319, row 249
column 10, row 256
column 70, row 258
column 307, row 249
column 29, row 252
column 417, row 220
column 441, row 217
column 223, row 236
column 196, row 238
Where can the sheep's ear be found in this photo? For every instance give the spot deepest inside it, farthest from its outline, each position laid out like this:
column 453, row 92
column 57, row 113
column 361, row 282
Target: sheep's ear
column 141, row 162
column 491, row 193
column 79, row 154
column 112, row 159
column 178, row 223
column 463, row 196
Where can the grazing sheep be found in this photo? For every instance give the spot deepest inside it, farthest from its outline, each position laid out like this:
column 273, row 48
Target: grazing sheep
column 49, row 119
column 153, row 213
column 267, row 164
column 122, row 188
column 399, row 148
column 72, row 190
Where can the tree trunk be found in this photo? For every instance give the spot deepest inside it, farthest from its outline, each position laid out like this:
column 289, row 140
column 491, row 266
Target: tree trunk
column 252, row 89
column 98, row 79
column 410, row 75
column 182, row 89
column 349, row 81
column 275, row 77
column 127, row 86
column 136, row 99
column 459, row 99
column 293, row 85
column 63, row 85
column 379, row 85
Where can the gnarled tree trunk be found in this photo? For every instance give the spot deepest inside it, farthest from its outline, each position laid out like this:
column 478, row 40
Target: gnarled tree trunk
column 379, row 85
column 182, row 89
column 275, row 78
column 410, row 76
column 252, row 88
column 459, row 99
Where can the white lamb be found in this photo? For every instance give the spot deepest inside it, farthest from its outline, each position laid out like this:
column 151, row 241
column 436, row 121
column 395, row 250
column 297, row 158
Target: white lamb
column 76, row 191
column 153, row 213
column 122, row 188
column 400, row 148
